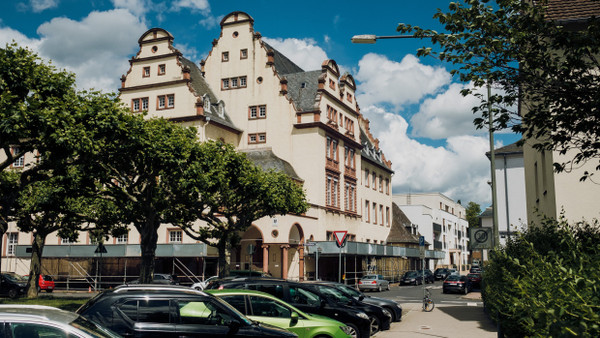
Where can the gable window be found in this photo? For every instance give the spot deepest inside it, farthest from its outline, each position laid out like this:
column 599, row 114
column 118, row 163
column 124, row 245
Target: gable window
column 139, row 104
column 225, row 84
column 175, row 236
column 166, row 101
column 349, row 97
column 257, row 138
column 242, row 81
column 349, row 125
column 234, row 83
column 374, row 181
column 225, row 56
column 332, row 116
column 331, row 84
column 366, row 178
column 162, row 69
column 19, row 162
column 12, row 238
column 244, row 53
column 146, row 72
column 387, row 186
column 122, row 239
column 380, row 183
column 252, row 112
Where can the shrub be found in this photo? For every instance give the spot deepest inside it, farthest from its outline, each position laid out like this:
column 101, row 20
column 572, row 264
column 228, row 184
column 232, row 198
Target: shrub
column 545, row 282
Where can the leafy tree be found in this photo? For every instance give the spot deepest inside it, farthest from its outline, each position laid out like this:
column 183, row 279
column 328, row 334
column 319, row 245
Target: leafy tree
column 35, row 103
column 231, row 194
column 473, row 210
column 546, row 66
column 141, row 168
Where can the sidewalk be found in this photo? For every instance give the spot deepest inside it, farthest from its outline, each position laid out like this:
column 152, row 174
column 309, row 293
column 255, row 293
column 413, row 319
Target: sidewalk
column 446, row 320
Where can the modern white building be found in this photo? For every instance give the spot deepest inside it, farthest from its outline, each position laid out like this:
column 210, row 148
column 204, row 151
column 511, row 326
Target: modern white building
column 442, row 221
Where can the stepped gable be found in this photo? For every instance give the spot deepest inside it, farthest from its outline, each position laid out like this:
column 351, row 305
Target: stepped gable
column 282, row 64
column 398, row 232
column 267, row 160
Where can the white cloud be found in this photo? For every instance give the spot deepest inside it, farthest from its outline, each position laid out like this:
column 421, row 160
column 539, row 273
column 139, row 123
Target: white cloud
column 445, row 115
column 459, row 170
column 305, row 53
column 202, row 5
column 137, row 7
column 96, row 48
column 397, row 83
column 41, row 5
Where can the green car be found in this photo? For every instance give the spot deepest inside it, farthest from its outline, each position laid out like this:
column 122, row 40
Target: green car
column 265, row 308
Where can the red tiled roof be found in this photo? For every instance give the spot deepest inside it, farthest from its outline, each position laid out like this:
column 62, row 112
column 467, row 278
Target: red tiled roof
column 567, row 10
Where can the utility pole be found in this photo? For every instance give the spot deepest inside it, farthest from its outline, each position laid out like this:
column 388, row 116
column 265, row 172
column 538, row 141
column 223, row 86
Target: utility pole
column 493, row 167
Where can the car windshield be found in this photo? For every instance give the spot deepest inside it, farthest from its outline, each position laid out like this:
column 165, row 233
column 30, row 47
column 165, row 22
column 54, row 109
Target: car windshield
column 410, row 274
column 15, row 278
column 453, row 278
column 333, row 294
column 92, row 329
column 370, row 277
column 348, row 290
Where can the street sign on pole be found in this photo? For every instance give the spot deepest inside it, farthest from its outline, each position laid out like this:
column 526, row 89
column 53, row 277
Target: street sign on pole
column 340, row 238
column 421, row 240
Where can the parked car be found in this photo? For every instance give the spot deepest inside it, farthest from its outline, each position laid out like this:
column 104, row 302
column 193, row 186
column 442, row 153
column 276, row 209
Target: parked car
column 475, row 269
column 380, row 318
column 44, row 321
column 453, row 272
column 305, row 298
column 441, row 273
column 429, row 277
column 171, row 311
column 475, row 279
column 46, row 283
column 411, row 277
column 202, row 285
column 12, row 285
column 160, row 278
column 457, row 283
column 373, row 282
column 268, row 309
column 389, row 305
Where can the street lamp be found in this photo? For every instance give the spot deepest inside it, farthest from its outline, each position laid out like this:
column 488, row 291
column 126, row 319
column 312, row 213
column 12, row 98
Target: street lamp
column 372, row 38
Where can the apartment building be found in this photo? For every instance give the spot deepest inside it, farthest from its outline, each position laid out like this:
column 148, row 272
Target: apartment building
column 441, row 221
column 305, row 123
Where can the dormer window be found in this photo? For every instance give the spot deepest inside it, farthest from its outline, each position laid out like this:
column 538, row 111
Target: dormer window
column 206, row 103
column 221, row 107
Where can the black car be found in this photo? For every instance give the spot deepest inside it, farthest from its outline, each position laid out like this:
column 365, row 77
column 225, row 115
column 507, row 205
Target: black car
column 171, row 311
column 12, row 285
column 388, row 305
column 412, row 277
column 306, row 298
column 457, row 283
column 429, row 277
column 380, row 318
column 441, row 273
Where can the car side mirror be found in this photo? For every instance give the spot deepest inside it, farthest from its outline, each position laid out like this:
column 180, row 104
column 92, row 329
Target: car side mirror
column 323, row 303
column 360, row 299
column 294, row 318
column 234, row 326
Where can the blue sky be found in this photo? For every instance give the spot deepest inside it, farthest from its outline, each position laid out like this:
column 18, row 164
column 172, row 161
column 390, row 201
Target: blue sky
column 424, row 125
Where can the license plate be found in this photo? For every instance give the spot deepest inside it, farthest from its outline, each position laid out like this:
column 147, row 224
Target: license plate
column 50, row 288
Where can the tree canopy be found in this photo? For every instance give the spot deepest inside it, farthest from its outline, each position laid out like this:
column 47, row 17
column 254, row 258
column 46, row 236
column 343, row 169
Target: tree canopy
column 232, row 193
column 545, row 70
column 472, row 211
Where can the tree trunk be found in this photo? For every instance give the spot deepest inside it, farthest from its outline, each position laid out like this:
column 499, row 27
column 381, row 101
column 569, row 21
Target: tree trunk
column 224, row 250
column 149, row 240
column 35, row 267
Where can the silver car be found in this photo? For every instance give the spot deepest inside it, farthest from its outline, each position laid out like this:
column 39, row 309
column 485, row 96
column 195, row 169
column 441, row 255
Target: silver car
column 373, row 282
column 30, row 321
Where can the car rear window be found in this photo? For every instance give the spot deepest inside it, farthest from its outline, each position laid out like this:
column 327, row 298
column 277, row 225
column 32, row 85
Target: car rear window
column 453, row 278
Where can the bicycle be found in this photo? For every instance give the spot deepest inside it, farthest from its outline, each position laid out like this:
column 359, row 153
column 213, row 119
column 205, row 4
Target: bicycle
column 428, row 303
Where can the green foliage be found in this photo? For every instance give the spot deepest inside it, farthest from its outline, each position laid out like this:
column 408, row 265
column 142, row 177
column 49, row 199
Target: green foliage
column 548, row 68
column 472, row 211
column 546, row 282
column 232, row 193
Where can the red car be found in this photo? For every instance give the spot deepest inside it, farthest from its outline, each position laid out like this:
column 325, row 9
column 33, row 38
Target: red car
column 46, row 283
column 475, row 279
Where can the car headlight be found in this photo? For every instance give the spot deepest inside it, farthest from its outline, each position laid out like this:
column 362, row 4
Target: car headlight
column 362, row 315
column 347, row 330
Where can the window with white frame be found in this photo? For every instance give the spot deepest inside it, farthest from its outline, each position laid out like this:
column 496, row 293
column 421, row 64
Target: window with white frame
column 122, row 239
column 242, row 81
column 332, row 190
column 175, row 236
column 257, row 138
column 257, row 112
column 146, row 72
column 19, row 162
column 225, row 56
column 162, row 69
column 65, row 241
column 12, row 239
column 243, row 53
column 374, row 213
column 350, row 197
column 166, row 101
column 234, row 83
column 139, row 104
column 225, row 84
column 366, row 211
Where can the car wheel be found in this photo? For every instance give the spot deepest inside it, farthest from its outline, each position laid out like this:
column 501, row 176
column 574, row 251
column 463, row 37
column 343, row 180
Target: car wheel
column 13, row 293
column 379, row 288
column 466, row 290
column 354, row 332
column 389, row 312
column 375, row 325
column 388, row 287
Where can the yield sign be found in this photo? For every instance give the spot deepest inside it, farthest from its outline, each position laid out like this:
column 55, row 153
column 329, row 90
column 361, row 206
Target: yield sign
column 340, row 237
